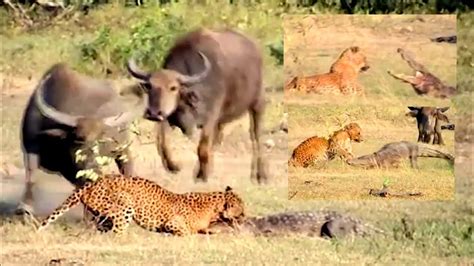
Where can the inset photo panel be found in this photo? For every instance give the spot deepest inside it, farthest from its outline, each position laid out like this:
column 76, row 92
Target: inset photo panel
column 369, row 106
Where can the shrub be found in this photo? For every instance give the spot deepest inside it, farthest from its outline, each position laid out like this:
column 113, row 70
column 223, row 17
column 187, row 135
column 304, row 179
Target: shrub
column 147, row 41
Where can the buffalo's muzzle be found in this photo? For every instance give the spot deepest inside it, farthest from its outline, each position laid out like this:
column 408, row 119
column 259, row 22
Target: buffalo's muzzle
column 156, row 116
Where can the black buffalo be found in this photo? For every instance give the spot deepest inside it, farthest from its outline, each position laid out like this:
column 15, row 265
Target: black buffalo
column 209, row 78
column 69, row 111
column 429, row 120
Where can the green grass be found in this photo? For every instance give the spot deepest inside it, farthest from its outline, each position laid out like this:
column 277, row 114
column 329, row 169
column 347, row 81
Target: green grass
column 34, row 52
column 308, row 51
column 380, row 125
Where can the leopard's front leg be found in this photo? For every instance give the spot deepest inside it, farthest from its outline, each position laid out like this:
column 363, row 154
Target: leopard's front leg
column 178, row 226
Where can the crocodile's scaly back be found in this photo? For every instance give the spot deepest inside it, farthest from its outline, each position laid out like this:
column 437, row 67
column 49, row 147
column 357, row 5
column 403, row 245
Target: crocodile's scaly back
column 391, row 154
column 310, row 223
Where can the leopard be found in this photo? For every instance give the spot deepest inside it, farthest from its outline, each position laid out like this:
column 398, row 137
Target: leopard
column 318, row 149
column 117, row 200
column 342, row 78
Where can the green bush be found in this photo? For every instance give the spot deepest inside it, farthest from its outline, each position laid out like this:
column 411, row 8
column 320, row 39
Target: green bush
column 276, row 50
column 147, row 41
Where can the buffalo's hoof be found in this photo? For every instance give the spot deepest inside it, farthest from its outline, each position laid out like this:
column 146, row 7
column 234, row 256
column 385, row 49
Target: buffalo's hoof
column 259, row 179
column 200, row 179
column 173, row 168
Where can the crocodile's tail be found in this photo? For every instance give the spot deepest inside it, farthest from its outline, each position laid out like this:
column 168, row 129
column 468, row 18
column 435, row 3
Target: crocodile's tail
column 425, row 150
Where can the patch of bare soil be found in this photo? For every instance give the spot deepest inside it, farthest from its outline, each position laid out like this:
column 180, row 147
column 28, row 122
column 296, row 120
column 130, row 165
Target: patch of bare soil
column 231, row 166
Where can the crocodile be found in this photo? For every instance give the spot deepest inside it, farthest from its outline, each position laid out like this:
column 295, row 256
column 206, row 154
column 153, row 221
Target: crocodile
column 326, row 224
column 391, row 155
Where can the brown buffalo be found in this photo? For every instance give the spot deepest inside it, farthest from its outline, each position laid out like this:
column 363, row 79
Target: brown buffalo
column 209, row 78
column 69, row 111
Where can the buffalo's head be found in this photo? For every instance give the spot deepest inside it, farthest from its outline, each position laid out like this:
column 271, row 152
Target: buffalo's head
column 81, row 131
column 169, row 96
column 426, row 117
column 86, row 128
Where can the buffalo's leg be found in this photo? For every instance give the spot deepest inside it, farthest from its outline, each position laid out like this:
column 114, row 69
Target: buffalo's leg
column 206, row 142
column 258, row 168
column 31, row 162
column 413, row 161
column 440, row 140
column 427, row 138
column 437, row 138
column 163, row 149
column 420, row 133
column 205, row 155
column 219, row 135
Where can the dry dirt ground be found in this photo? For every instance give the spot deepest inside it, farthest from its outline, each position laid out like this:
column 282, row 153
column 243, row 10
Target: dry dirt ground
column 312, row 44
column 437, row 232
column 231, row 166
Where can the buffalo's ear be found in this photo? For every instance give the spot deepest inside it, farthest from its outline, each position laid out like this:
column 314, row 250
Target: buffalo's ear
column 443, row 109
column 56, row 132
column 442, row 117
column 413, row 111
column 414, row 108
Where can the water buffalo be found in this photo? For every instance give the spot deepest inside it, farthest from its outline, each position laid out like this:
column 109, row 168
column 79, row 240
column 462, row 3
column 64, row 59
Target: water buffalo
column 69, row 111
column 428, row 120
column 209, row 78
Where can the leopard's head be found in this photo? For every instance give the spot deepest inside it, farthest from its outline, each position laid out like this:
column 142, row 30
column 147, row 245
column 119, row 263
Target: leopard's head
column 233, row 208
column 354, row 131
column 356, row 57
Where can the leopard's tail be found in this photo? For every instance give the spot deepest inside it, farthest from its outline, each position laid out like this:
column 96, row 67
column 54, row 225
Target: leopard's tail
column 293, row 161
column 70, row 202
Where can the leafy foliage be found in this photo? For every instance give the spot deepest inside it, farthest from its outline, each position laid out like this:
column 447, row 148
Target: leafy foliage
column 146, row 41
column 94, row 151
column 276, row 50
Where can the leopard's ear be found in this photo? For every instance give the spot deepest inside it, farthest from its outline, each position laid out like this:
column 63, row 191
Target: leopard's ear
column 228, row 189
column 355, row 49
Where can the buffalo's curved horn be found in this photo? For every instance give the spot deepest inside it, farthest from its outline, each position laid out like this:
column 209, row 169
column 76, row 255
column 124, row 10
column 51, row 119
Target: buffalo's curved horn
column 51, row 112
column 135, row 71
column 193, row 79
column 126, row 117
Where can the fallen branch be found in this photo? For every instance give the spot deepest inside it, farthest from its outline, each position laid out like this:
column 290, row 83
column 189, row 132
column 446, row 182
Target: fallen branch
column 293, row 195
column 384, row 192
column 448, row 39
